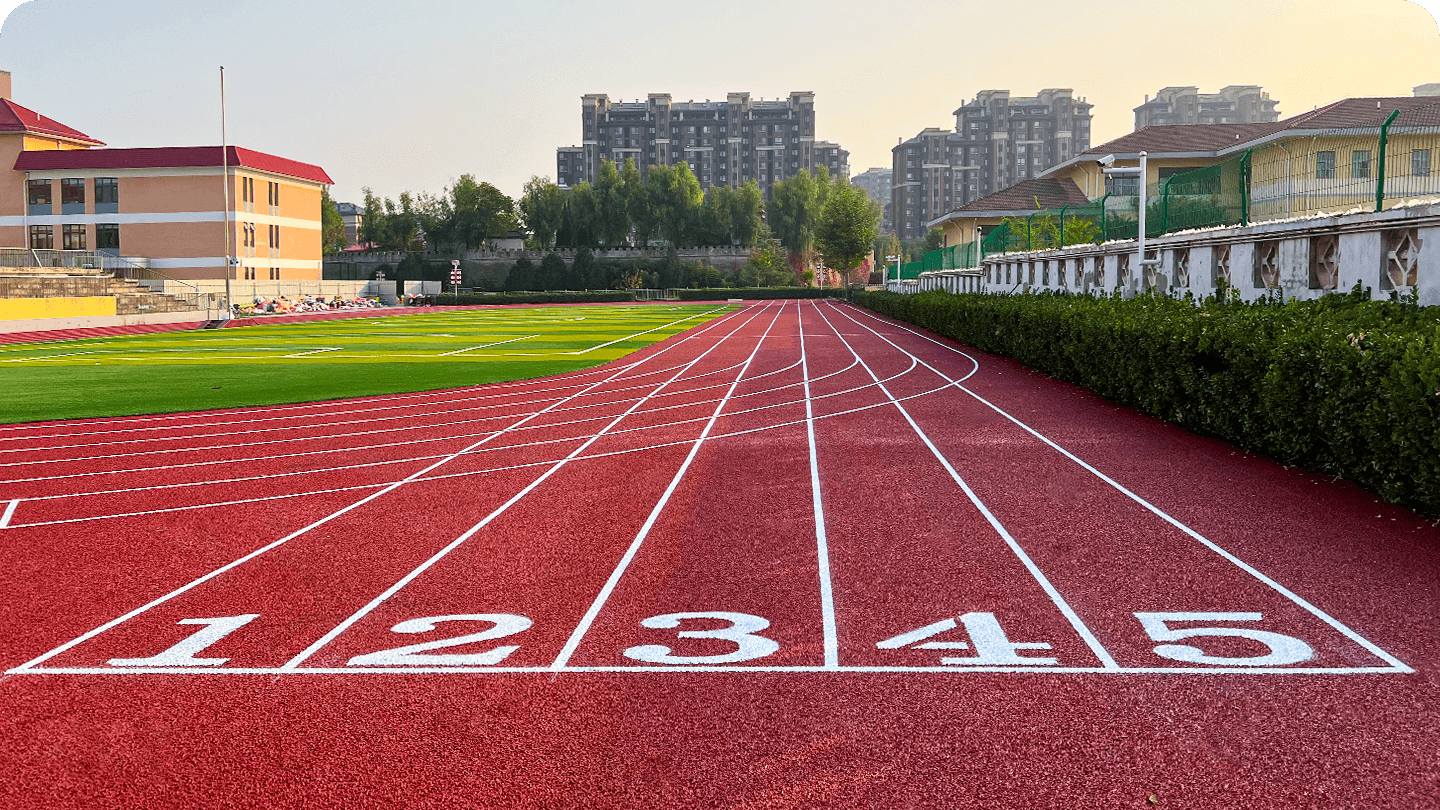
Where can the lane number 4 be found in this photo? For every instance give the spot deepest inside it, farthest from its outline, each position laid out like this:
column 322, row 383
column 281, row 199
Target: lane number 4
column 992, row 646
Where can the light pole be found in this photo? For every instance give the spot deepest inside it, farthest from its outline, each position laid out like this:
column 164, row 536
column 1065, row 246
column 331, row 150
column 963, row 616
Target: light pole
column 896, row 259
column 1108, row 163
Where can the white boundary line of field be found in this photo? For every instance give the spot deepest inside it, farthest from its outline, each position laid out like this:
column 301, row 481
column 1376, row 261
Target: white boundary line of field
column 1396, row 664
column 1096, row 648
column 385, row 596
column 956, row 669
column 307, row 406
column 263, row 549
column 486, row 346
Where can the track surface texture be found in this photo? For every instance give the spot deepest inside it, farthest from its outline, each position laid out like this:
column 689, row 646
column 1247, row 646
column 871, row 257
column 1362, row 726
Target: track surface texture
column 798, row 556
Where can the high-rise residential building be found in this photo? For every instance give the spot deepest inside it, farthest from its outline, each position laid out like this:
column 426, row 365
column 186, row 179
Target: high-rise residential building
column 1236, row 104
column 725, row 143
column 876, row 185
column 998, row 141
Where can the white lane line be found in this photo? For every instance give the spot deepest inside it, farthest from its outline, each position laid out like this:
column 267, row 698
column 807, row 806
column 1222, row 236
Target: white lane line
column 473, row 530
column 589, row 618
column 263, row 549
column 1064, row 607
column 719, row 670
column 9, row 512
column 822, row 541
column 314, row 351
column 485, row 346
column 1397, row 664
column 470, row 473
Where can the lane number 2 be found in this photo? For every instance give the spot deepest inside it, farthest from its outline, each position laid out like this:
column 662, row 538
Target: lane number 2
column 1283, row 650
column 419, row 655
column 742, row 631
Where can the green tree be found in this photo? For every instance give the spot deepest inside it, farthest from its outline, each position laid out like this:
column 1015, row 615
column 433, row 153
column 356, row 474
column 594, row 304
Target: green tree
column 612, row 215
column 793, row 211
column 541, row 208
column 582, row 271
column 638, row 208
column 934, row 239
column 747, row 214
column 551, row 275
column 332, row 227
column 580, row 219
column 479, row 212
column 676, row 197
column 375, row 227
column 521, row 276
column 767, row 266
column 403, row 224
column 849, row 225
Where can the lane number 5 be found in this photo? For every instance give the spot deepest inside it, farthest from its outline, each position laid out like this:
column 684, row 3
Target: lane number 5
column 1283, row 650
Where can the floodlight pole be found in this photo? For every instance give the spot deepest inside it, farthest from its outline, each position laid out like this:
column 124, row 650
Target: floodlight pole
column 896, row 259
column 1141, row 263
column 225, row 175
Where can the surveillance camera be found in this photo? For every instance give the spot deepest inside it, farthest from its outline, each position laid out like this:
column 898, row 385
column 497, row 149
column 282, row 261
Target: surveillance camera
column 1107, row 161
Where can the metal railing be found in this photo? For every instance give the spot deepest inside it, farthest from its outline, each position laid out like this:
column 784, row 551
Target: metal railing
column 68, row 259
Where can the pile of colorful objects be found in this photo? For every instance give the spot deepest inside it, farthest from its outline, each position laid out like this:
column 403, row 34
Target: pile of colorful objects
column 308, row 303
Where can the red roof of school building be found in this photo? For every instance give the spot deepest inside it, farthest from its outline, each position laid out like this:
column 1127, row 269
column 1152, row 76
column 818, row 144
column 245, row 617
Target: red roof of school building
column 168, row 157
column 14, row 118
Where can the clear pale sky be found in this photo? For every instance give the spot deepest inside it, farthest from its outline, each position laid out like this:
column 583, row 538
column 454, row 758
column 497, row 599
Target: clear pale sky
column 410, row 95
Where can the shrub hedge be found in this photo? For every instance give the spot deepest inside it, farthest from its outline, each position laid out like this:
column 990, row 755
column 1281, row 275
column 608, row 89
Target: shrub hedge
column 1343, row 385
column 759, row 293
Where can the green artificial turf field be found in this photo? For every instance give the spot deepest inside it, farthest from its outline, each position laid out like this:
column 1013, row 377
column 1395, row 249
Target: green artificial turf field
column 302, row 362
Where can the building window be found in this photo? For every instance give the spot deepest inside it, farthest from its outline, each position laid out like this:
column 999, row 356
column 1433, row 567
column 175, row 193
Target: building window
column 1420, row 163
column 107, row 193
column 72, row 237
column 72, row 195
column 107, row 237
column 42, row 237
column 1360, row 163
column 1122, row 186
column 38, row 192
column 1324, row 165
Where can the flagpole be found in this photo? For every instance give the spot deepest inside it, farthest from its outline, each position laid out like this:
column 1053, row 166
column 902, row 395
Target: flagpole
column 225, row 173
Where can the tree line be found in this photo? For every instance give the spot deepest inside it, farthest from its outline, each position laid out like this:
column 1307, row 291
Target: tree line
column 815, row 219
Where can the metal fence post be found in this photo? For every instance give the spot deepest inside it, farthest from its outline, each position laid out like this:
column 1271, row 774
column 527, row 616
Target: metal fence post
column 1245, row 187
column 1380, row 171
column 1030, row 233
column 1165, row 205
column 1063, row 209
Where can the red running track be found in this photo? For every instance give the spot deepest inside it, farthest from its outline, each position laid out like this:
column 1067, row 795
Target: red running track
column 798, row 556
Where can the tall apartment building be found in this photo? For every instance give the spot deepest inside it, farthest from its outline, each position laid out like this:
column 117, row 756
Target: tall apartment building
column 997, row 142
column 724, row 142
column 876, row 185
column 1236, row 104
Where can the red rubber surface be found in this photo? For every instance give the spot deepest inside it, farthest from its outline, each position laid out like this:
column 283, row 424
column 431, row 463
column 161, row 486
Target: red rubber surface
column 952, row 486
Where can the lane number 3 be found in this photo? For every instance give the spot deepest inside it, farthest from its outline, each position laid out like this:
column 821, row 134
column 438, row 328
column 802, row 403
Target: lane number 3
column 742, row 631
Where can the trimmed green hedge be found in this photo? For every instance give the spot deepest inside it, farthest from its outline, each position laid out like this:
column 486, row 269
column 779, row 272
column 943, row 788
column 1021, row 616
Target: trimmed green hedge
column 1343, row 386
column 758, row 293
column 535, row 298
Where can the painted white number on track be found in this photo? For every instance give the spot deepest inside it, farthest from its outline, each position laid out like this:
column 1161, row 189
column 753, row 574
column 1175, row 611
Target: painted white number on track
column 741, row 632
column 413, row 655
column 992, row 646
column 183, row 654
column 1284, row 650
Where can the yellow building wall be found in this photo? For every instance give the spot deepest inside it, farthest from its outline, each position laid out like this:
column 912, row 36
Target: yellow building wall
column 20, row 309
column 173, row 240
column 12, row 183
column 168, row 195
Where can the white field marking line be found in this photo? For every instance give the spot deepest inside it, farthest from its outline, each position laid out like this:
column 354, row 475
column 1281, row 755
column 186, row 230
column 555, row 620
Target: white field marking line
column 9, row 513
column 1059, row 601
column 291, row 439
column 320, row 644
column 486, row 345
column 50, row 357
column 263, row 549
column 822, row 541
column 404, row 426
column 469, row 473
column 509, row 403
column 590, row 615
column 646, row 332
column 719, row 670
column 315, row 351
column 1396, row 664
column 423, row 395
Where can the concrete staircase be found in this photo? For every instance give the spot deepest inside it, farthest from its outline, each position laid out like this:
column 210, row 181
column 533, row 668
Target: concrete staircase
column 70, row 282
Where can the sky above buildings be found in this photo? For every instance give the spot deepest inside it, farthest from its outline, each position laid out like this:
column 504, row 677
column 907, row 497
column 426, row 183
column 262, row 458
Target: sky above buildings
column 410, row 95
